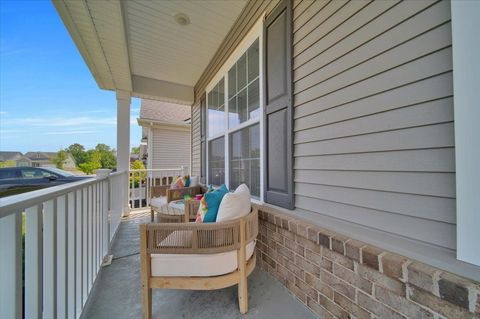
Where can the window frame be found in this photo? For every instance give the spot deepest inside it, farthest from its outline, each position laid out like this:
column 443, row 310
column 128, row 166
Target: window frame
column 203, row 139
column 256, row 32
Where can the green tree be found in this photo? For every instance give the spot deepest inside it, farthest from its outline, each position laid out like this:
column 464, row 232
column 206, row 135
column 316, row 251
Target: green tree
column 8, row 163
column 107, row 156
column 139, row 176
column 137, row 165
column 60, row 159
column 93, row 161
column 135, row 150
column 78, row 152
column 89, row 167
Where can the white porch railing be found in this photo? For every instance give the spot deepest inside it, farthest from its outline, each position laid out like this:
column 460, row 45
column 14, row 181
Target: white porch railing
column 142, row 179
column 68, row 230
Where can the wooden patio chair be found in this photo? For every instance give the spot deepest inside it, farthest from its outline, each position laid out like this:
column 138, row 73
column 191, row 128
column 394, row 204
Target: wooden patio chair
column 195, row 256
column 162, row 195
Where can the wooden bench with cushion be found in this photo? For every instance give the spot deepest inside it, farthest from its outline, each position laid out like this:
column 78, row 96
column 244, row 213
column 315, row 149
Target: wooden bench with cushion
column 198, row 256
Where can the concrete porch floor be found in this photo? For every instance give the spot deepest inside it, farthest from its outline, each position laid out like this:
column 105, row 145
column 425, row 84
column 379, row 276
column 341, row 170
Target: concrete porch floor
column 116, row 293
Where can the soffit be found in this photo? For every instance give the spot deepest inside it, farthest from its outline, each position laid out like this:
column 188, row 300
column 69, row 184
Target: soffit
column 137, row 44
column 162, row 49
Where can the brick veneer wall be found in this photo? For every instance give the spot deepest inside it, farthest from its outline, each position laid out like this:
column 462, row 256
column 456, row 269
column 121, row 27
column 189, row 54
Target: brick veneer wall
column 338, row 277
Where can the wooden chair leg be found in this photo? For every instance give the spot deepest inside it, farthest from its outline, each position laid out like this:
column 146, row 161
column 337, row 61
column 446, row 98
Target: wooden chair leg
column 145, row 273
column 242, row 268
column 147, row 302
column 243, row 294
column 152, row 215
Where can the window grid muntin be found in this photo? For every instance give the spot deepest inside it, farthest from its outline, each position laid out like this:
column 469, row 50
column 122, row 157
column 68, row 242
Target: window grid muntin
column 248, row 84
column 252, row 120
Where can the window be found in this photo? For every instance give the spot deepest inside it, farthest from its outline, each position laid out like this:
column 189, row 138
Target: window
column 234, row 126
column 8, row 173
column 28, row 173
column 243, row 88
column 245, row 158
column 216, row 109
column 203, row 148
column 216, row 161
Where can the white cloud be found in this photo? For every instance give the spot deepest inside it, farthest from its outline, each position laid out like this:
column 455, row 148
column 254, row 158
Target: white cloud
column 61, row 121
column 69, row 132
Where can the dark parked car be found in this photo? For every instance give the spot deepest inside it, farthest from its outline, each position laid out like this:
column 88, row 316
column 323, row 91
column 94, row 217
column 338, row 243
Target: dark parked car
column 16, row 180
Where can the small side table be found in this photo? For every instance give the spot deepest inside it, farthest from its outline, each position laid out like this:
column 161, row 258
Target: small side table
column 173, row 212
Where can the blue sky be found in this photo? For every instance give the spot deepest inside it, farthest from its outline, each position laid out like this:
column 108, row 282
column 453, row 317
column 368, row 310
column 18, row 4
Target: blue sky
column 48, row 98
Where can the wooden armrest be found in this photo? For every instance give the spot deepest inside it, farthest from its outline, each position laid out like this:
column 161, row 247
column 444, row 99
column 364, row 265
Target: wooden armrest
column 179, row 193
column 191, row 208
column 158, row 190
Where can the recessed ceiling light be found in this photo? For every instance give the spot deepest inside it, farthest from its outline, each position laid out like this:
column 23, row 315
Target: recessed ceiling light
column 182, row 19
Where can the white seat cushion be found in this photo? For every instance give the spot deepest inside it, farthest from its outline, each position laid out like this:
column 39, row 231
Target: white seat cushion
column 235, row 205
column 196, row 265
column 176, row 207
column 158, row 202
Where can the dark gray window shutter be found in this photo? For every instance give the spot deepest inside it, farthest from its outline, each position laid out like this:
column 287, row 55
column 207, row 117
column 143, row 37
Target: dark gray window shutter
column 203, row 149
column 278, row 112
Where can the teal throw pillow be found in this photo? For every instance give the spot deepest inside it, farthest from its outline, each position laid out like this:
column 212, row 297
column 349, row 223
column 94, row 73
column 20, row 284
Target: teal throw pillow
column 213, row 200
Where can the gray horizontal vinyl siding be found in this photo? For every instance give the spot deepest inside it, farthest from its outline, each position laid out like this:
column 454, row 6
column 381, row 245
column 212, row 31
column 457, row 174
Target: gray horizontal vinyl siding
column 373, row 119
column 196, row 140
column 170, row 148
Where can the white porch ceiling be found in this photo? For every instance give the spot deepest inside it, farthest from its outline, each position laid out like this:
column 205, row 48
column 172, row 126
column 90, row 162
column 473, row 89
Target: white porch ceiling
column 137, row 45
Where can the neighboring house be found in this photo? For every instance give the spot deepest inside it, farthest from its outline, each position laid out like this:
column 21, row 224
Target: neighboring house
column 355, row 124
column 18, row 158
column 166, row 132
column 44, row 159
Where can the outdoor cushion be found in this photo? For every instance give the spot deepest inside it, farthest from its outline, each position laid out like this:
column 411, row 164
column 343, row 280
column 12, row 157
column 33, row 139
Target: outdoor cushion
column 194, row 181
column 202, row 208
column 178, row 205
column 180, row 182
column 158, row 202
column 235, row 205
column 195, row 265
column 207, row 212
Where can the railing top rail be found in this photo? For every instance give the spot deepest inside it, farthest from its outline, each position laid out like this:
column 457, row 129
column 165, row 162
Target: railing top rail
column 113, row 174
column 12, row 204
column 156, row 169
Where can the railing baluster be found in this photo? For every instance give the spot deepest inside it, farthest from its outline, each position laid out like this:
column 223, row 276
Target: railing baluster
column 98, row 220
column 84, row 245
column 79, row 253
column 71, row 256
column 33, row 262
column 50, row 259
column 90, row 238
column 94, row 232
column 11, row 266
column 61, row 257
column 100, row 229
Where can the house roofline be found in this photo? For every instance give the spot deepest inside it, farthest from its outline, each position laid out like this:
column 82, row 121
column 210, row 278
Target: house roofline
column 145, row 122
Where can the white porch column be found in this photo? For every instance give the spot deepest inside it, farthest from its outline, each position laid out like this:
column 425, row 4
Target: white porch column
column 123, row 141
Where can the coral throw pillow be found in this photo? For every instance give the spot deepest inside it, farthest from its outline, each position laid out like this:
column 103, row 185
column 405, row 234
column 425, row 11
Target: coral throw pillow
column 180, row 182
